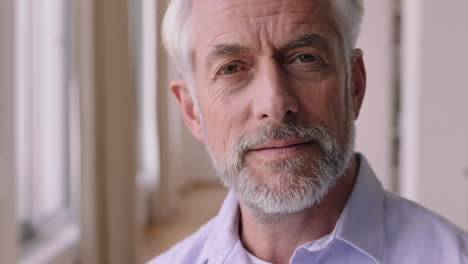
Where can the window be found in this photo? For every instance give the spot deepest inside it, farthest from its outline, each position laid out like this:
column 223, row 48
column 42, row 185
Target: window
column 143, row 21
column 47, row 120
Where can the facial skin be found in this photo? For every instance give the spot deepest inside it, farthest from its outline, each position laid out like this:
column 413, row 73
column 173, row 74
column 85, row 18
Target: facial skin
column 260, row 65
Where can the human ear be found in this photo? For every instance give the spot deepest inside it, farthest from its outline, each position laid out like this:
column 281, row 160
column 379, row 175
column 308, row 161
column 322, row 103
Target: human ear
column 358, row 81
column 187, row 107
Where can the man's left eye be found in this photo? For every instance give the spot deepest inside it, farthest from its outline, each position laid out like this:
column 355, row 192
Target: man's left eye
column 230, row 69
column 306, row 58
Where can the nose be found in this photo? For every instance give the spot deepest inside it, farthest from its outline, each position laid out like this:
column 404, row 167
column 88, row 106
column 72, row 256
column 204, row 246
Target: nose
column 275, row 100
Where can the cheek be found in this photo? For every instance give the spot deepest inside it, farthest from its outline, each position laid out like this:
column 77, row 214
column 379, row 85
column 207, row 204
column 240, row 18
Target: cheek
column 323, row 102
column 223, row 122
column 337, row 110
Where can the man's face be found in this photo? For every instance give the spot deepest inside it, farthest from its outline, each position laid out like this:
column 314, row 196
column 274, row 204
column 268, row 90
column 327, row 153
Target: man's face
column 276, row 99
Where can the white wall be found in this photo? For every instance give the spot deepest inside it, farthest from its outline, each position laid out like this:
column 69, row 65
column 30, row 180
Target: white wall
column 434, row 151
column 374, row 126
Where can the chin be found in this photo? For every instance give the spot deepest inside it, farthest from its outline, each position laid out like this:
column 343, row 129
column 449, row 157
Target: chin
column 283, row 189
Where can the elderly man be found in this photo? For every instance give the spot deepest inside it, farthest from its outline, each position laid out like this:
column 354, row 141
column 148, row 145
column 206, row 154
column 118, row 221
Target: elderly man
column 273, row 88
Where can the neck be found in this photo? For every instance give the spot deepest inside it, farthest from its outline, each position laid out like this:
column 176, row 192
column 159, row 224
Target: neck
column 275, row 241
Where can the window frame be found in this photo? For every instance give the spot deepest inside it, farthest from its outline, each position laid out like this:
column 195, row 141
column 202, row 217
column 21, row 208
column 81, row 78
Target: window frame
column 8, row 248
column 36, row 223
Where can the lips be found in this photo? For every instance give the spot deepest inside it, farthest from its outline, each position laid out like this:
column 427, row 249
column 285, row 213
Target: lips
column 281, row 149
column 281, row 144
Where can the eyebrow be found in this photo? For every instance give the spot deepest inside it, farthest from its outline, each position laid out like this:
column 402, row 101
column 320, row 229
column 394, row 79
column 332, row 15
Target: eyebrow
column 307, row 40
column 227, row 49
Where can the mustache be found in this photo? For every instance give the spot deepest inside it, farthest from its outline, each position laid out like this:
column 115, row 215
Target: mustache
column 289, row 129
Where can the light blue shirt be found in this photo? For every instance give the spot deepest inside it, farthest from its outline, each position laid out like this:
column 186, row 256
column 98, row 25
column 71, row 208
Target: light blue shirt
column 375, row 226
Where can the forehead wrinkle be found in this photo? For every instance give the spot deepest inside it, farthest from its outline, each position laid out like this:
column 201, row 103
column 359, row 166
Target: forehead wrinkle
column 296, row 11
column 309, row 38
column 270, row 8
column 219, row 14
column 291, row 15
column 280, row 13
column 249, row 4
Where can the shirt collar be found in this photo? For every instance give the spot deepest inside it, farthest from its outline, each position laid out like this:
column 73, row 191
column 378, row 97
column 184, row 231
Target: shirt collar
column 224, row 235
column 360, row 224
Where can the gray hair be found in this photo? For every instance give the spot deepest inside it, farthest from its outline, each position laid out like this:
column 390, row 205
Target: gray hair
column 177, row 38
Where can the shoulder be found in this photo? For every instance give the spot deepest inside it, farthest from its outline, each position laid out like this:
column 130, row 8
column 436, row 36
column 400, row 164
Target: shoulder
column 410, row 225
column 411, row 217
column 188, row 250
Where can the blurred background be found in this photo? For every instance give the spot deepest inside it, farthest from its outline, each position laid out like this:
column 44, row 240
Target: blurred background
column 97, row 167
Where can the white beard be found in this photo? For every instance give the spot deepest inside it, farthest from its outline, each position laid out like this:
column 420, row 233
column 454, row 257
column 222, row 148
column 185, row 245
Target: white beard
column 291, row 185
